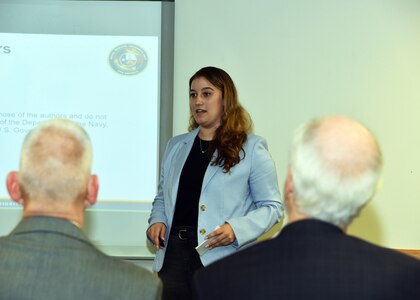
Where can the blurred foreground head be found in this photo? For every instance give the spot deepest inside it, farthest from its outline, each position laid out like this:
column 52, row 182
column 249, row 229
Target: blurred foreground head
column 334, row 170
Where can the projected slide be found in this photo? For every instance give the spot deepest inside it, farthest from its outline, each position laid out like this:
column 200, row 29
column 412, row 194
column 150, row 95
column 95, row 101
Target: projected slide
column 108, row 84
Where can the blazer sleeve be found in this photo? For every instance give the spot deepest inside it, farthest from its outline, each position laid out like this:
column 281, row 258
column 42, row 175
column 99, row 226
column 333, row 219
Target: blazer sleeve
column 265, row 194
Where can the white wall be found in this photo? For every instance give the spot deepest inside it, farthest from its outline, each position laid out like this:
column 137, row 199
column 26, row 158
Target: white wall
column 293, row 60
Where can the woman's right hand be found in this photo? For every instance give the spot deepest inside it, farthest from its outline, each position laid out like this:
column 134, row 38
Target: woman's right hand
column 156, row 234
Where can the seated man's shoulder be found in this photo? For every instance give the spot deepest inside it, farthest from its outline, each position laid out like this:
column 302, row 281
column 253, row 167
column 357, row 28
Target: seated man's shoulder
column 129, row 277
column 116, row 267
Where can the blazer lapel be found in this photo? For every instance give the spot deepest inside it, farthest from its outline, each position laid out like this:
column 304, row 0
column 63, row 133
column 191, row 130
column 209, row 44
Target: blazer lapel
column 179, row 160
column 181, row 156
column 210, row 172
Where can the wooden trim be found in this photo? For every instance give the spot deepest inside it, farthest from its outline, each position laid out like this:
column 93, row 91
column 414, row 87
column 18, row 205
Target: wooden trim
column 412, row 252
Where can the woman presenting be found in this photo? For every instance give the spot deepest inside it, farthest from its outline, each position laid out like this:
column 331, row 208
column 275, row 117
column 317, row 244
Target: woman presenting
column 218, row 183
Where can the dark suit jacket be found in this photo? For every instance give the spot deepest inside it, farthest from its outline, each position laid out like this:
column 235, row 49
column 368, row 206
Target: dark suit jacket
column 50, row 258
column 311, row 259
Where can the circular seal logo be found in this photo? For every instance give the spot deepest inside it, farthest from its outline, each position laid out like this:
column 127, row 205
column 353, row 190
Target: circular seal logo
column 128, row 59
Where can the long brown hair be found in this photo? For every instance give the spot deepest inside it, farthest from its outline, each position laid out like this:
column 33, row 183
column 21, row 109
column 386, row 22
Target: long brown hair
column 235, row 125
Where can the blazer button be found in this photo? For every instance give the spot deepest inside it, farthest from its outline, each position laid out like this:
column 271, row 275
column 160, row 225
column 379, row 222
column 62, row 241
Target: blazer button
column 202, row 231
column 203, row 207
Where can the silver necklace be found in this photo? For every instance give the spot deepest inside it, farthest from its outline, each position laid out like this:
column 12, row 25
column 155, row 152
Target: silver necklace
column 201, row 147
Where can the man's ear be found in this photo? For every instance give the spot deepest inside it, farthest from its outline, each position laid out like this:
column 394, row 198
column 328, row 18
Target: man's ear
column 12, row 184
column 288, row 185
column 293, row 213
column 92, row 191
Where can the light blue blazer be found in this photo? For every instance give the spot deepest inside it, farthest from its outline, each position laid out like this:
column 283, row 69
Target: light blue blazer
column 247, row 197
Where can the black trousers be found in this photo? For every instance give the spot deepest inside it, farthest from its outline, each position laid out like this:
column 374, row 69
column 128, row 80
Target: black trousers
column 181, row 261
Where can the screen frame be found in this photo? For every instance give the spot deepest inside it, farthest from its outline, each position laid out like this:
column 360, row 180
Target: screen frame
column 70, row 17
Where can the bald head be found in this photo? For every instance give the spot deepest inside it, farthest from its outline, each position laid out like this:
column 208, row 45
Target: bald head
column 345, row 147
column 335, row 166
column 55, row 161
column 54, row 178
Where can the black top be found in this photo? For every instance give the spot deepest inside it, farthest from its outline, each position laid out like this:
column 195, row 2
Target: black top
column 190, row 182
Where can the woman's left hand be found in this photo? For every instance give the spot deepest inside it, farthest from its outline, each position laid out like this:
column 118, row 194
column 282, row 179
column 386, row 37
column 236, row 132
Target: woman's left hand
column 222, row 236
